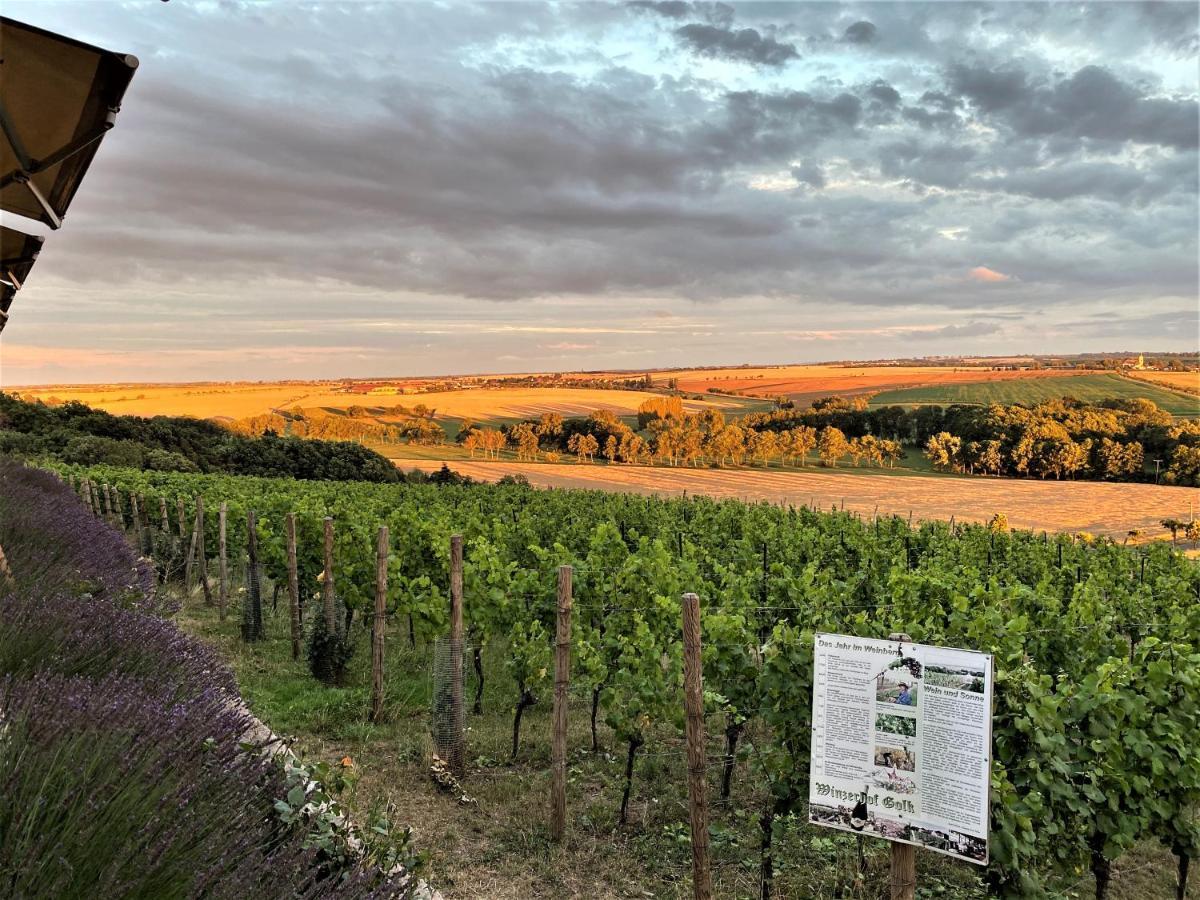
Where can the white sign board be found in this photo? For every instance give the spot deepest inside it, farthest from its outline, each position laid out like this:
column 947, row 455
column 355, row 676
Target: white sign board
column 902, row 743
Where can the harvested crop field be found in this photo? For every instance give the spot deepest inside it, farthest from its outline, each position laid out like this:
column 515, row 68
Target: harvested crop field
column 1181, row 381
column 237, row 401
column 1100, row 508
column 803, row 384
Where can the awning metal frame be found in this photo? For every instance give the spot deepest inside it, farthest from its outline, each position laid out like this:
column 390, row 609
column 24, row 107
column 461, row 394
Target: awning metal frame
column 115, row 70
column 30, row 167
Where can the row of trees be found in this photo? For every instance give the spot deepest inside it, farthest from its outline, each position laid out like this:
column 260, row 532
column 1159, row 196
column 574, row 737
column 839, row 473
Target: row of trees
column 1066, row 438
column 677, row 439
column 358, row 424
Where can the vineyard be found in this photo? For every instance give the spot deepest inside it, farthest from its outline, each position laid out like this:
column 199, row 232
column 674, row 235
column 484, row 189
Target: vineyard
column 1097, row 646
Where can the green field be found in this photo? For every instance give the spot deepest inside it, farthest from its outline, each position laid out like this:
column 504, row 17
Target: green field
column 1089, row 388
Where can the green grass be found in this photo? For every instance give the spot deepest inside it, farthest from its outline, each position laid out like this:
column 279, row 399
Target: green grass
column 1089, row 388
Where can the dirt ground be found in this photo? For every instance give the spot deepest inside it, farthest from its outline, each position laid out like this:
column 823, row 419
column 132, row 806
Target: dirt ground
column 1099, row 508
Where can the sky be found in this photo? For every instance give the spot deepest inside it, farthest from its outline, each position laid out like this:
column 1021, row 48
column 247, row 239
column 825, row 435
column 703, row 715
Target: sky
column 370, row 189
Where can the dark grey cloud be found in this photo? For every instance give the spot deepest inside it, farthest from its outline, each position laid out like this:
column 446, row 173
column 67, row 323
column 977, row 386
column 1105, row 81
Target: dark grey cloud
column 1092, row 103
column 743, row 45
column 671, row 9
column 810, row 173
column 861, row 32
column 969, row 329
column 884, row 93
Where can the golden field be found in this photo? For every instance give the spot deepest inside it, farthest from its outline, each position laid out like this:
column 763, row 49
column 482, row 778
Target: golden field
column 806, row 383
column 1100, row 508
column 1182, row 381
column 238, row 401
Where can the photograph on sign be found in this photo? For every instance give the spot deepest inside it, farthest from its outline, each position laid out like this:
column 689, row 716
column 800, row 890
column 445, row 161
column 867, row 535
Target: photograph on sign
column 902, row 743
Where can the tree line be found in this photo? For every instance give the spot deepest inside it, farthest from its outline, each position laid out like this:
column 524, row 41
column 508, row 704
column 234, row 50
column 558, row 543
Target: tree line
column 75, row 433
column 1066, row 438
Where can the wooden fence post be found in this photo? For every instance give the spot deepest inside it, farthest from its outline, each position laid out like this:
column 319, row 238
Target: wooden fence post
column 182, row 520
column 108, row 514
column 331, row 625
column 222, row 561
column 95, row 499
column 201, row 553
column 693, row 698
column 85, row 489
column 458, row 751
column 903, row 881
column 562, row 680
column 377, row 627
column 293, row 582
column 164, row 521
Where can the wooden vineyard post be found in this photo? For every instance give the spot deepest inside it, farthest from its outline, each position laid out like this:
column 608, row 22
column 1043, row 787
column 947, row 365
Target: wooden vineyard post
column 85, row 488
column 381, row 567
column 137, row 521
column 327, row 595
column 458, row 751
column 222, row 561
column 252, row 625
column 95, row 499
column 118, row 520
column 5, row 571
column 145, row 527
column 108, row 513
column 562, row 680
column 164, row 521
column 693, row 699
column 187, row 563
column 293, row 583
column 182, row 520
column 903, row 881
column 201, row 552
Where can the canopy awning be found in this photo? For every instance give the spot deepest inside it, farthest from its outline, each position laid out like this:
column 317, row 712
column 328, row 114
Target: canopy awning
column 17, row 254
column 58, row 98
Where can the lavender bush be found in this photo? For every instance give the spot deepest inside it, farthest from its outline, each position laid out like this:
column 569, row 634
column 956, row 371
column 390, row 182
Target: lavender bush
column 55, row 545
column 123, row 771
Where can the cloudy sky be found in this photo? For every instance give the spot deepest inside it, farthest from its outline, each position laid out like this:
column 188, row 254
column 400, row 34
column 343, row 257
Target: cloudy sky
column 407, row 188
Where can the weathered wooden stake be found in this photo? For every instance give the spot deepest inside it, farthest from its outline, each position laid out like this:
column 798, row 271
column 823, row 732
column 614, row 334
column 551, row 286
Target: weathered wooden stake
column 458, row 750
column 5, row 570
column 222, row 560
column 562, row 680
column 179, row 514
column 903, row 881
column 96, row 500
column 252, row 624
column 164, row 521
column 187, row 562
column 377, row 627
column 693, row 698
column 108, row 504
column 137, row 521
column 331, row 624
column 293, row 583
column 201, row 553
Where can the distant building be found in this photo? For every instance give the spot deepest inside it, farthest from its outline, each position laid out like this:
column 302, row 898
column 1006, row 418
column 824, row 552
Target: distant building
column 1137, row 365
